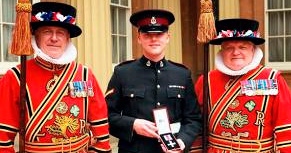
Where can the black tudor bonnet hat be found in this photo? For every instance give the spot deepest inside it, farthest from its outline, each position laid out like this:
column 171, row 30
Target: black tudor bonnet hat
column 237, row 29
column 55, row 14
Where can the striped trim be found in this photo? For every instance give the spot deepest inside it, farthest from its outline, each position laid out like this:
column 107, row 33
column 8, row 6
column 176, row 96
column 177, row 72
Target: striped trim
column 196, row 149
column 265, row 104
column 99, row 122
column 16, row 71
column 226, row 99
column 282, row 128
column 197, row 145
column 98, row 150
column 103, row 138
column 244, row 145
column 49, row 103
column 6, row 144
column 78, row 144
column 48, row 65
column 86, row 99
column 283, row 144
column 8, row 128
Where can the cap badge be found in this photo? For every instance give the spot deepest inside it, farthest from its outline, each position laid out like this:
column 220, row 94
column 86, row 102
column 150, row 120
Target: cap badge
column 153, row 20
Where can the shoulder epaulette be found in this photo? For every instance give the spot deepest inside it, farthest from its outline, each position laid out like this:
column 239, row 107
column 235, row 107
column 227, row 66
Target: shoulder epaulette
column 126, row 62
column 179, row 64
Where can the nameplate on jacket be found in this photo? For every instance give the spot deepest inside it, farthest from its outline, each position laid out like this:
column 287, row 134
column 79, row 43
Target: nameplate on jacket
column 162, row 122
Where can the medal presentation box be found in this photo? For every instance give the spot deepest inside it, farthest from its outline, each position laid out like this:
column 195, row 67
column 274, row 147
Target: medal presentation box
column 162, row 122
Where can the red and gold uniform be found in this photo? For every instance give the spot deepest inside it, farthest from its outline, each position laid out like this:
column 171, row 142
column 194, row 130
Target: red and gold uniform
column 248, row 113
column 65, row 109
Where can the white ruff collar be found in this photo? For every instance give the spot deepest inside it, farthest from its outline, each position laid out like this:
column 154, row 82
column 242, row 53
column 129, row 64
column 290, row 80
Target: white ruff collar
column 68, row 56
column 258, row 55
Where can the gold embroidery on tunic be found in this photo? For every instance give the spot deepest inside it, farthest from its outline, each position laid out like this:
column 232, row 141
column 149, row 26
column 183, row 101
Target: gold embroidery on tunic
column 234, row 119
column 62, row 124
column 58, row 140
column 51, row 82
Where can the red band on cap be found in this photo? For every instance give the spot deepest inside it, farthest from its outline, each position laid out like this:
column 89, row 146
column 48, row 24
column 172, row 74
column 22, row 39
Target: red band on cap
column 153, row 20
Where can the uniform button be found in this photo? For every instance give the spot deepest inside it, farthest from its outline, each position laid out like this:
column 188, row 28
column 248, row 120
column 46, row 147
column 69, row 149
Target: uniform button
column 179, row 96
column 159, row 71
column 131, row 95
column 148, row 63
column 161, row 64
column 158, row 86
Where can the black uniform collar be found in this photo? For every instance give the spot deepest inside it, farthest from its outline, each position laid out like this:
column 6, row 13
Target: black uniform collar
column 148, row 63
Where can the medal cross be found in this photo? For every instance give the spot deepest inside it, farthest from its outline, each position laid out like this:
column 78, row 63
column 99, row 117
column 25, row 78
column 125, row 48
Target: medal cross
column 171, row 143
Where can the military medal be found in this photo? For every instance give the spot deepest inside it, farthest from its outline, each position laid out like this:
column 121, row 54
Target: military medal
column 265, row 87
column 273, row 86
column 259, row 88
column 72, row 90
column 253, row 87
column 248, row 87
column 90, row 89
column 85, row 89
column 82, row 89
column 164, row 130
column 79, row 90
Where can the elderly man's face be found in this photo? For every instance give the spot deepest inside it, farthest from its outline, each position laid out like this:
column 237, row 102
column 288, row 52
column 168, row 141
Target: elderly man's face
column 52, row 40
column 237, row 54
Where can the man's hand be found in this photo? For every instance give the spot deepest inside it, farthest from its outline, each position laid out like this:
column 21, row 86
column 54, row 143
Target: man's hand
column 145, row 128
column 181, row 144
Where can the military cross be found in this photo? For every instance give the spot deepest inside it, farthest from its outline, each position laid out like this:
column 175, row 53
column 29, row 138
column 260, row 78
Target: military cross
column 171, row 143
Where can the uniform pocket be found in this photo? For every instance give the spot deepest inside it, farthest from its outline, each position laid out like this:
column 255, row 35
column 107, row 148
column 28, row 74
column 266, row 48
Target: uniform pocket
column 132, row 98
column 176, row 93
column 175, row 101
column 134, row 92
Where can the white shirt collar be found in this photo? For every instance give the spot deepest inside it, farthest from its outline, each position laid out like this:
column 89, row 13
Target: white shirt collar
column 258, row 55
column 69, row 55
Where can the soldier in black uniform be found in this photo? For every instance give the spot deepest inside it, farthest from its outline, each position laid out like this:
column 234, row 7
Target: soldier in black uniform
column 137, row 87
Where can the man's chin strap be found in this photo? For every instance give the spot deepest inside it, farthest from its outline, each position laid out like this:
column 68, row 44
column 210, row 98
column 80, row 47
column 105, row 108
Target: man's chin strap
column 68, row 56
column 255, row 62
